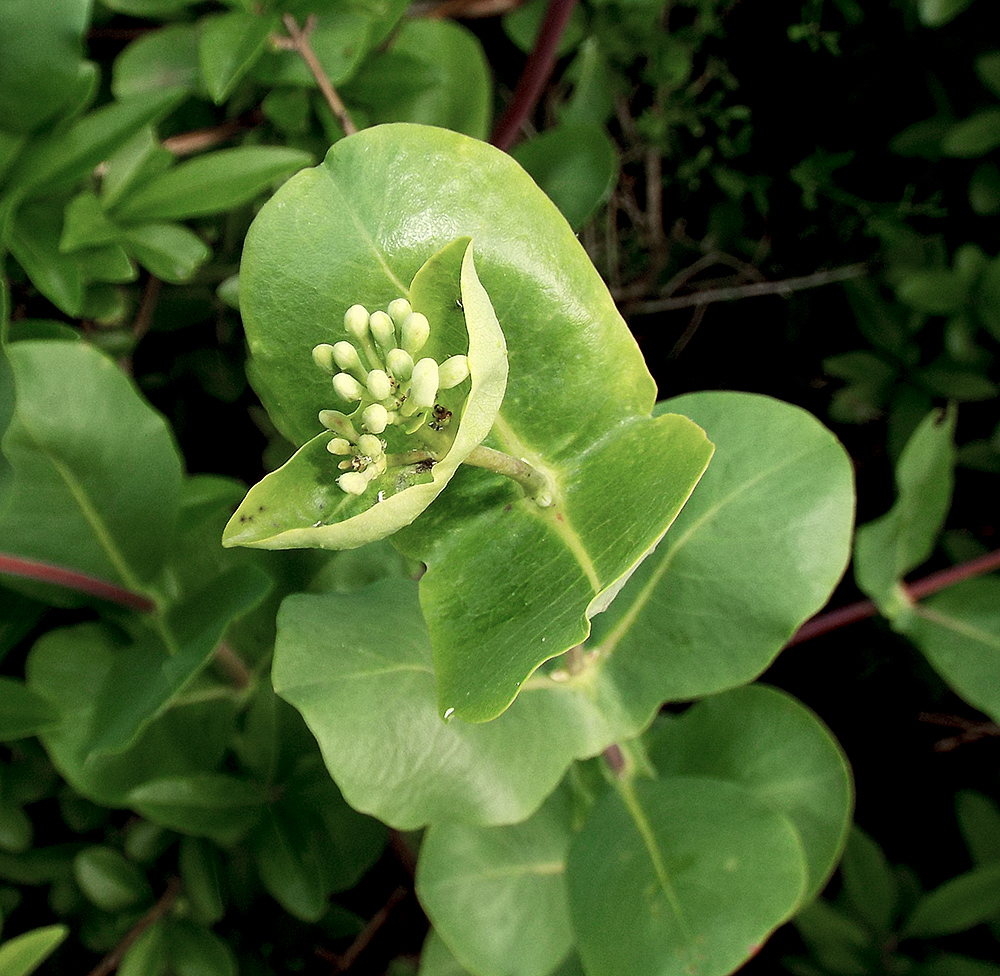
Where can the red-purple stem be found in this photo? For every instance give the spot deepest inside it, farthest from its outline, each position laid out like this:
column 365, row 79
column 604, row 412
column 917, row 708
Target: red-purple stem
column 864, row 609
column 72, row 580
column 535, row 75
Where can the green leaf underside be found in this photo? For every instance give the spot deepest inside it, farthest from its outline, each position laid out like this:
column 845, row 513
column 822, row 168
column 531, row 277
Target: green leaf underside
column 681, row 876
column 510, row 585
column 358, row 667
column 713, row 606
column 770, row 744
column 301, row 503
column 356, row 228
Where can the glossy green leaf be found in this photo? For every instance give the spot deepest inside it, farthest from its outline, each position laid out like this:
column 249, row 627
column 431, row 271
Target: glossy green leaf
column 888, row 548
column 358, row 667
column 561, row 565
column 210, row 183
column 937, row 292
column 576, row 165
column 342, row 35
column 836, row 940
column 161, row 59
column 869, row 881
column 108, row 880
column 201, row 864
column 988, row 297
column 957, row 905
column 685, row 625
column 168, row 251
column 302, row 505
column 32, row 235
column 193, row 949
column 74, row 668
column 497, row 895
column 94, row 489
column 288, row 867
column 436, row 959
column 73, row 153
column 229, row 46
column 40, row 58
column 384, row 201
column 779, row 752
column 936, row 13
column 958, row 631
column 25, row 953
column 975, row 136
column 459, row 93
column 86, row 224
column 136, row 161
column 212, row 805
column 16, row 829
column 684, row 876
column 147, row 955
column 979, row 821
column 22, row 711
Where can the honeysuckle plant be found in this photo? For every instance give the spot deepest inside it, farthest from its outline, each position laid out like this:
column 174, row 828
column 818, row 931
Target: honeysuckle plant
column 425, row 325
column 394, row 267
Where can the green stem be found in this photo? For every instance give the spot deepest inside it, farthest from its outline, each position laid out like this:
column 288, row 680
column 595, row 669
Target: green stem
column 534, row 483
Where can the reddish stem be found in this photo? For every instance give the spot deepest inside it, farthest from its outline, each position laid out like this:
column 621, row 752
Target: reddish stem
column 537, row 70
column 864, row 609
column 72, row 580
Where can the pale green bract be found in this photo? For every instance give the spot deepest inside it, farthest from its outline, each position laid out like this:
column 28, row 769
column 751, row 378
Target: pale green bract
column 375, row 469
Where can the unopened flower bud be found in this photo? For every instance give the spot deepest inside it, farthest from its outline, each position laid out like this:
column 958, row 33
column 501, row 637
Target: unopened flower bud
column 339, row 445
column 452, row 371
column 347, row 387
column 354, row 482
column 370, row 445
column 339, row 423
column 383, row 330
column 400, row 363
column 398, row 310
column 324, row 356
column 346, row 356
column 414, row 331
column 423, row 385
column 379, row 384
column 356, row 321
column 375, row 417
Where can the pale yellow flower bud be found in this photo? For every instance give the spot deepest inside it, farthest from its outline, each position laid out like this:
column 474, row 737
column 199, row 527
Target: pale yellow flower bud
column 423, row 385
column 339, row 445
column 452, row 371
column 379, row 384
column 356, row 321
column 383, row 330
column 375, row 417
column 324, row 356
column 414, row 331
column 354, row 483
column 400, row 363
column 347, row 387
column 398, row 310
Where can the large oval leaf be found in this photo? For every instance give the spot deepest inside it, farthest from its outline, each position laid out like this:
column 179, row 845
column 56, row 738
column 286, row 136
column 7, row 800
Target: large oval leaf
column 680, row 877
column 773, row 746
column 718, row 600
column 577, row 404
column 498, row 895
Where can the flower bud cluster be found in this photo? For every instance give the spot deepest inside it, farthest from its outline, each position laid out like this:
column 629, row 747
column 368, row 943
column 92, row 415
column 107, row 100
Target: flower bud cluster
column 378, row 369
